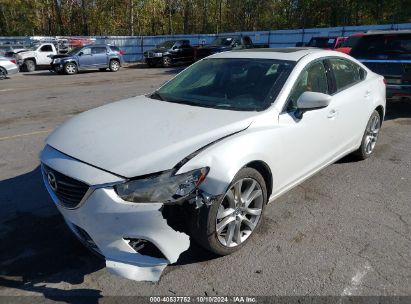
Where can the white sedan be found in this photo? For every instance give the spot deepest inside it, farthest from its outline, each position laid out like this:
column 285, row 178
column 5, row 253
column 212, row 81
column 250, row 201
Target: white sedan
column 200, row 158
column 8, row 67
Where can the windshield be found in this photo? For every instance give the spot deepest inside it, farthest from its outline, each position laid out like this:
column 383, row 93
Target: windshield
column 323, row 42
column 166, row 44
column 222, row 41
column 74, row 51
column 228, row 83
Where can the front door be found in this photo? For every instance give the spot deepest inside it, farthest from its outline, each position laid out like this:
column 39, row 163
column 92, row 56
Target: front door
column 43, row 54
column 310, row 142
column 85, row 58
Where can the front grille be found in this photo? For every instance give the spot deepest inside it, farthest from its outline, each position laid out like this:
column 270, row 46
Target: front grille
column 68, row 190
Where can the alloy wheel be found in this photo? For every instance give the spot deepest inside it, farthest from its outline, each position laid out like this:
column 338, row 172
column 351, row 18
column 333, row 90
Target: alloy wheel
column 239, row 212
column 372, row 134
column 115, row 66
column 71, row 68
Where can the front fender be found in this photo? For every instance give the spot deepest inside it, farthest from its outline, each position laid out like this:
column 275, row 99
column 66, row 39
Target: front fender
column 228, row 156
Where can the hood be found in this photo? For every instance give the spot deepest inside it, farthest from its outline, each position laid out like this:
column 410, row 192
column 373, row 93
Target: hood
column 26, row 54
column 139, row 136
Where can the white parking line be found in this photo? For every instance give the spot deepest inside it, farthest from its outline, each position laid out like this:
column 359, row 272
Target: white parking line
column 25, row 134
column 356, row 280
column 5, row 90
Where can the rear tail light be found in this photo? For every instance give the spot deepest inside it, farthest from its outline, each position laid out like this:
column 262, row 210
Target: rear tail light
column 385, row 81
column 121, row 52
column 14, row 61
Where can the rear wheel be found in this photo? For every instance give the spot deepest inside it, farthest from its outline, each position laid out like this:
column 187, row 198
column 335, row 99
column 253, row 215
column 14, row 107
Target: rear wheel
column 227, row 225
column 70, row 68
column 3, row 73
column 114, row 65
column 29, row 65
column 370, row 137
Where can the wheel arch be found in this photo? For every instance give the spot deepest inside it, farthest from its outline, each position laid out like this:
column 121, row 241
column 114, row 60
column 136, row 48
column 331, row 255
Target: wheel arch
column 381, row 111
column 31, row 58
column 265, row 171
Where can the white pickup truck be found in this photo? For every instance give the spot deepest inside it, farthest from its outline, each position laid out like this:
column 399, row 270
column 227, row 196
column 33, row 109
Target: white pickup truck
column 38, row 55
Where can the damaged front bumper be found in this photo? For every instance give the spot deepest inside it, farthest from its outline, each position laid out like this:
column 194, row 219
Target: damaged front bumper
column 135, row 238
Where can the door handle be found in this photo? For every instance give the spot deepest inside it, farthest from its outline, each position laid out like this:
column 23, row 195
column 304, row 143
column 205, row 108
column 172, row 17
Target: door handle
column 333, row 113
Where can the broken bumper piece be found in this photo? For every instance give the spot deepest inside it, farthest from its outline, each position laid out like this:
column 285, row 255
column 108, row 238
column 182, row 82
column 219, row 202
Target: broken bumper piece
column 134, row 238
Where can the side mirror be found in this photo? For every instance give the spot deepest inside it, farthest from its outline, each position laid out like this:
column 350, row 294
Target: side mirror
column 80, row 54
column 311, row 101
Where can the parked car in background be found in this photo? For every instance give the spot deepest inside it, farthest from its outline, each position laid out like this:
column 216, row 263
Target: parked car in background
column 8, row 67
column 349, row 43
column 329, row 43
column 223, row 44
column 11, row 51
column 388, row 53
column 96, row 56
column 169, row 52
column 200, row 158
column 36, row 56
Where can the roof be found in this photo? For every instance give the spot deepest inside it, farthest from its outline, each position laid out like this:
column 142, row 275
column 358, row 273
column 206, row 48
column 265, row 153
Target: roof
column 376, row 32
column 292, row 53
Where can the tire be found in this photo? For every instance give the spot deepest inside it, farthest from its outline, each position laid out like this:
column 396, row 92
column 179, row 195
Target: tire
column 3, row 73
column 370, row 137
column 70, row 68
column 215, row 227
column 114, row 65
column 166, row 61
column 29, row 65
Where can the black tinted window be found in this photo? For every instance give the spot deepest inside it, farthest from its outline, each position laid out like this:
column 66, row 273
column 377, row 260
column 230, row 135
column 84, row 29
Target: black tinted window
column 98, row 50
column 312, row 79
column 46, row 48
column 396, row 46
column 114, row 48
column 346, row 73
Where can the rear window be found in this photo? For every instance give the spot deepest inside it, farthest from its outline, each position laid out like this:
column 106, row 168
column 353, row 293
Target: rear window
column 390, row 46
column 114, row 48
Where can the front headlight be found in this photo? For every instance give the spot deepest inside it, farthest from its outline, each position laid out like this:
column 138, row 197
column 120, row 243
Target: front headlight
column 57, row 60
column 164, row 188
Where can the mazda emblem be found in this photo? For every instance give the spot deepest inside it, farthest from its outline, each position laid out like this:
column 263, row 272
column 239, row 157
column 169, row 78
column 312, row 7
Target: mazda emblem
column 52, row 181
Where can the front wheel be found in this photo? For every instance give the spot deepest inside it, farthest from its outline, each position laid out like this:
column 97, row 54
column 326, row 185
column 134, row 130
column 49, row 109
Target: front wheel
column 370, row 137
column 227, row 225
column 167, row 62
column 70, row 68
column 29, row 65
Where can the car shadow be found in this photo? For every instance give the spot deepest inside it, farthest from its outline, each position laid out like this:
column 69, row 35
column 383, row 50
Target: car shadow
column 37, row 249
column 48, row 73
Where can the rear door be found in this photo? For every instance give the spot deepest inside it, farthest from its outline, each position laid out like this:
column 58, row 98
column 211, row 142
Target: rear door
column 351, row 103
column 99, row 56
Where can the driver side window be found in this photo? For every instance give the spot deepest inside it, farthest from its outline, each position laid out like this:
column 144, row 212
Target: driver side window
column 313, row 78
column 86, row 51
